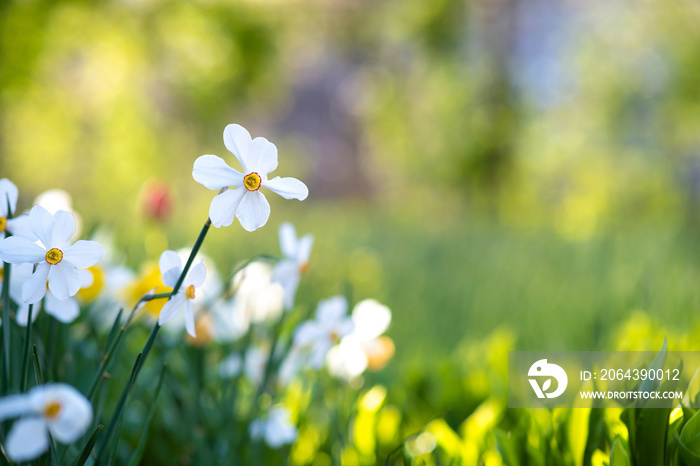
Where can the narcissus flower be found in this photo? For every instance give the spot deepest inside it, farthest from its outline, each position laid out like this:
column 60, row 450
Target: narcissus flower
column 258, row 157
column 365, row 347
column 58, row 409
column 277, row 429
column 289, row 270
column 171, row 268
column 329, row 327
column 57, row 260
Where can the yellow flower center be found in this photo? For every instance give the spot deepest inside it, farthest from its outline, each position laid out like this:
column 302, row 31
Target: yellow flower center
column 252, row 181
column 52, row 410
column 2, row 274
column 54, row 256
column 3, row 224
column 335, row 338
column 190, row 292
column 303, row 268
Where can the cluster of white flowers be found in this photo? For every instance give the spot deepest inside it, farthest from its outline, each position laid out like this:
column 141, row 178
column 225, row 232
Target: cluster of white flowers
column 49, row 268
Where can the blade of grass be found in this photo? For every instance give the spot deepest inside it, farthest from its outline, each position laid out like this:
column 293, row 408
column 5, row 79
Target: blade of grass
column 115, row 339
column 111, row 427
column 7, row 385
column 138, row 453
column 25, row 357
column 89, row 446
column 37, row 369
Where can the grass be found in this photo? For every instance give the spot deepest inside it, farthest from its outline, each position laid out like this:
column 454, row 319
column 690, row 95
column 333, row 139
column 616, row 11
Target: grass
column 467, row 277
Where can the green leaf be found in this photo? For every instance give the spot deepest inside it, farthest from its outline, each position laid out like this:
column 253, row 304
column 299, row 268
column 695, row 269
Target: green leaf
column 619, row 456
column 648, row 385
column 689, row 441
column 512, row 446
column 138, row 453
column 89, row 446
column 37, row 368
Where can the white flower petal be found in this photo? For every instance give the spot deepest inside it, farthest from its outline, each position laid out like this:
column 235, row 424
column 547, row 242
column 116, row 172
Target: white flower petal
column 20, row 226
column 214, row 173
column 197, row 275
column 41, row 222
column 371, row 319
column 75, row 415
column 64, row 280
column 170, row 267
column 14, row 405
column 286, row 273
column 17, row 250
column 8, row 192
column 304, row 252
column 318, row 353
column 237, row 140
column 332, row 310
column 288, row 240
column 65, row 311
column 83, row 253
column 28, row 439
column 288, row 188
column 253, row 211
column 347, row 360
column 23, row 313
column 262, row 157
column 345, row 327
column 257, row 429
column 307, row 333
column 171, row 308
column 64, row 227
column 189, row 319
column 86, row 278
column 223, row 207
column 34, row 288
column 280, row 431
column 231, row 366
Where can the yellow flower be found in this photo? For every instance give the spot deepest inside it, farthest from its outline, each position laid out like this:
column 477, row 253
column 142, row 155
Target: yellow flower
column 90, row 293
column 148, row 279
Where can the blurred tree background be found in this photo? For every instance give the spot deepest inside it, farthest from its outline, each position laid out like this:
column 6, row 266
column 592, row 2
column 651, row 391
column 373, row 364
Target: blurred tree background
column 471, row 163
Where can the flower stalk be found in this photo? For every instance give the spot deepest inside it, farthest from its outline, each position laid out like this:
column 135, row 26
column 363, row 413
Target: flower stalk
column 149, row 343
column 6, row 312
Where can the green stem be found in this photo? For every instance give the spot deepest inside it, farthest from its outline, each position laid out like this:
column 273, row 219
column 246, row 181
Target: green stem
column 50, row 350
column 6, row 311
column 6, row 326
column 25, row 358
column 151, row 339
column 114, row 343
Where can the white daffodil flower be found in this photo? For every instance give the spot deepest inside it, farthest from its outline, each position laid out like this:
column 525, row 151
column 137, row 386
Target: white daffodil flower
column 289, row 270
column 170, row 269
column 260, row 299
column 8, row 199
column 208, row 292
column 230, row 320
column 58, row 409
column 277, row 429
column 57, row 260
column 258, row 157
column 352, row 356
column 329, row 327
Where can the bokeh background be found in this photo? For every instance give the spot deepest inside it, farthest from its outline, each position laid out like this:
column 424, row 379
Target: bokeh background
column 521, row 166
